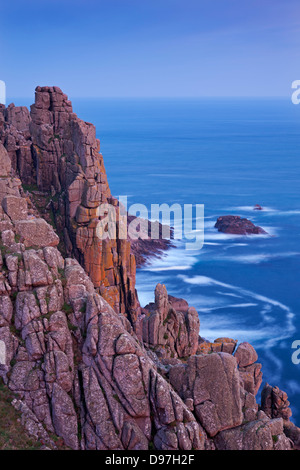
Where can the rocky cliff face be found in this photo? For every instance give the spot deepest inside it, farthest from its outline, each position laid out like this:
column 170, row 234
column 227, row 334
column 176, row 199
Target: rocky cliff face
column 85, row 363
column 57, row 154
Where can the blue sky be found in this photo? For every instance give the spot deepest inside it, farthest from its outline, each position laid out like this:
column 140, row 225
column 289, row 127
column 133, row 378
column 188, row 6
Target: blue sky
column 151, row 48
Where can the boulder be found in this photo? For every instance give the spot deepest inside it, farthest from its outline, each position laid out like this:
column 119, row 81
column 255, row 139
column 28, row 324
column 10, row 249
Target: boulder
column 15, row 207
column 36, row 233
column 262, row 434
column 245, row 355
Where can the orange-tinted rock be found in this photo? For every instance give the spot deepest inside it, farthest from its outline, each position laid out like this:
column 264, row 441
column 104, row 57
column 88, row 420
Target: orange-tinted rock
column 219, row 345
column 67, row 163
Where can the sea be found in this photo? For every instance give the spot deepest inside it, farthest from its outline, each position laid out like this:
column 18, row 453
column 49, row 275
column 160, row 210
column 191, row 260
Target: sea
column 227, row 154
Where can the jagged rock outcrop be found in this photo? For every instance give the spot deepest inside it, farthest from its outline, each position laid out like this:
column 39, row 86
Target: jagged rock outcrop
column 275, row 404
column 237, row 225
column 82, row 361
column 57, row 152
column 250, row 371
column 15, row 135
column 170, row 332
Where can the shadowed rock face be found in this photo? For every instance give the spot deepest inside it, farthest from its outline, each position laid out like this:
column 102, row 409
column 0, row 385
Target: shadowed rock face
column 236, row 225
column 79, row 367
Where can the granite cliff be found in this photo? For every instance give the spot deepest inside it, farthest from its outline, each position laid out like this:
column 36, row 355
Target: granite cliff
column 85, row 362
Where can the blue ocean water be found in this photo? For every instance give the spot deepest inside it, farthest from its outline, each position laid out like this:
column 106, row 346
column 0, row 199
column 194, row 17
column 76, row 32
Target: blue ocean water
column 228, row 155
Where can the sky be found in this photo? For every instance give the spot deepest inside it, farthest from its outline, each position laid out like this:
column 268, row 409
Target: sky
column 151, row 48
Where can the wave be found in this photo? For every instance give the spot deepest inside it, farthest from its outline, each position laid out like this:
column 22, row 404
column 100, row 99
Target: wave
column 204, row 280
column 251, row 209
column 229, row 294
column 252, row 336
column 259, row 258
column 271, row 337
column 210, row 224
column 210, row 309
column 211, row 236
column 167, row 268
column 212, row 244
column 169, row 260
column 284, row 213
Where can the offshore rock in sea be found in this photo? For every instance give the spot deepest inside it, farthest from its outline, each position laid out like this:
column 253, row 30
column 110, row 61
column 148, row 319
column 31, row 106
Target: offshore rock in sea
column 239, row 226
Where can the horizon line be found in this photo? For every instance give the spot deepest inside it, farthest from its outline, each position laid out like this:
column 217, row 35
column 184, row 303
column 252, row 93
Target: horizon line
column 9, row 98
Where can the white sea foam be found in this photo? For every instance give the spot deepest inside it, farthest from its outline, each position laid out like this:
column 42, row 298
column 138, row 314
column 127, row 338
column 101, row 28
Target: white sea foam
column 251, row 209
column 204, row 280
column 175, row 258
column 243, row 305
column 284, row 213
column 294, row 386
column 277, row 334
column 168, row 268
column 212, row 244
column 211, row 236
column 210, row 224
column 230, row 294
column 252, row 336
column 259, row 258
